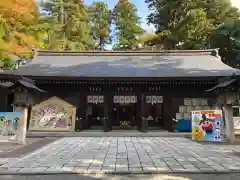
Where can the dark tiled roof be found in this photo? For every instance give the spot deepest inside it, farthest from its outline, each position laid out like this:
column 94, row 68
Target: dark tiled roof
column 126, row 64
column 23, row 83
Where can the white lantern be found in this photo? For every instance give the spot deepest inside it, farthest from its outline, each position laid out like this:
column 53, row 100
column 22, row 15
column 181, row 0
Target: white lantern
column 159, row 99
column 101, row 99
column 121, row 99
column 116, row 99
column 95, row 99
column 127, row 99
column 133, row 99
column 89, row 99
column 154, row 99
column 148, row 99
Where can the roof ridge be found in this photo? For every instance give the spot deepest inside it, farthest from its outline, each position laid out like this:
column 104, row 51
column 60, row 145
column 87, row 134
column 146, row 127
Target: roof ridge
column 126, row 53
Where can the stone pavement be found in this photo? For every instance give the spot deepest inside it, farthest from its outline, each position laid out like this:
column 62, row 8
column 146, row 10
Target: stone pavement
column 231, row 176
column 123, row 155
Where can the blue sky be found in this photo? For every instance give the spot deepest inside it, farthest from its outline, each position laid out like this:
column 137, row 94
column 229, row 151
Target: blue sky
column 141, row 6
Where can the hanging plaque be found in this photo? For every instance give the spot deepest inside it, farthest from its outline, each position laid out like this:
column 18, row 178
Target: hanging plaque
column 148, row 99
column 95, row 99
column 133, row 99
column 89, row 99
column 101, row 99
column 121, row 99
column 127, row 99
column 154, row 99
column 116, row 99
column 159, row 99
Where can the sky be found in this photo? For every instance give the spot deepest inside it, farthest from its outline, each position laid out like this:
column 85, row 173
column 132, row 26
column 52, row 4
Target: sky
column 141, row 6
column 236, row 3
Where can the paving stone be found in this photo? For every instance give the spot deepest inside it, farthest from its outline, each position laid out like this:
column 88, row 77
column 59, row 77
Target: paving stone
column 14, row 169
column 40, row 169
column 108, row 153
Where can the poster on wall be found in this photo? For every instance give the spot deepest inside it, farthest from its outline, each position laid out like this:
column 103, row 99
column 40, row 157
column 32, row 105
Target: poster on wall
column 9, row 122
column 207, row 125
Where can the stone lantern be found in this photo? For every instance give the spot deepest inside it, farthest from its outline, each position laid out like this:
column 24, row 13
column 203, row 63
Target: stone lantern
column 227, row 96
column 23, row 90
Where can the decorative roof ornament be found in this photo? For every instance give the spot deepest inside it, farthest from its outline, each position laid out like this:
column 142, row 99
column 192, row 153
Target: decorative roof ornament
column 215, row 53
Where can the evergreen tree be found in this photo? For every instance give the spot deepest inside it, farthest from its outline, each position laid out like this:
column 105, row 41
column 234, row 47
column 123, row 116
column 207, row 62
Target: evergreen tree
column 227, row 38
column 195, row 18
column 100, row 24
column 127, row 24
column 69, row 22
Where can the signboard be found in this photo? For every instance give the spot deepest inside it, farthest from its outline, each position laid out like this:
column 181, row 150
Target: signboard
column 9, row 122
column 207, row 125
column 53, row 114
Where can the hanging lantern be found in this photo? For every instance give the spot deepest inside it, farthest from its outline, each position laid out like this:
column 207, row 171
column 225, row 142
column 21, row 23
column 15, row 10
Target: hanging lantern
column 122, row 99
column 127, row 99
column 133, row 99
column 148, row 99
column 116, row 99
column 101, row 99
column 89, row 99
column 159, row 99
column 95, row 99
column 154, row 99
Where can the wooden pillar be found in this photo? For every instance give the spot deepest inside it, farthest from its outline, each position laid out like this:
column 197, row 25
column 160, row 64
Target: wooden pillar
column 110, row 106
column 167, row 113
column 81, row 111
column 139, row 111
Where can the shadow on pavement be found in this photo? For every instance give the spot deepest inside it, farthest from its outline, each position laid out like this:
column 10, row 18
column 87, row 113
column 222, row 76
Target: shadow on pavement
column 20, row 150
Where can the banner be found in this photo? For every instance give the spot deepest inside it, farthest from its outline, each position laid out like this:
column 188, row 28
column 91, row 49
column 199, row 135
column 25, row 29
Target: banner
column 9, row 122
column 207, row 125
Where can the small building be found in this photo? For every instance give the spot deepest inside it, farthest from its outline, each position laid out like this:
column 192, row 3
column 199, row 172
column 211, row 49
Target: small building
column 122, row 87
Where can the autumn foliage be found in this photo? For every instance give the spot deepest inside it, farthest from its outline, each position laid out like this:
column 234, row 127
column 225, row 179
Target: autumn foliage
column 16, row 11
column 16, row 16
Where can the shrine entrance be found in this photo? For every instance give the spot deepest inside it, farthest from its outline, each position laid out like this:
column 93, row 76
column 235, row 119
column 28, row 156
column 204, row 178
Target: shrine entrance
column 95, row 112
column 124, row 112
column 154, row 112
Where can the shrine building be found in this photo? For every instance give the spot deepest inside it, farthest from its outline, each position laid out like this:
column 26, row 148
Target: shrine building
column 64, row 87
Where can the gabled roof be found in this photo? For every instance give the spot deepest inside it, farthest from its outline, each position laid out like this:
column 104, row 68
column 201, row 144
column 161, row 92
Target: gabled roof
column 23, row 82
column 201, row 63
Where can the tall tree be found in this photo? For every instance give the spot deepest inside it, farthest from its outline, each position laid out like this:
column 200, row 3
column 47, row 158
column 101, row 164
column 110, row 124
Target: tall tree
column 127, row 24
column 170, row 15
column 227, row 38
column 100, row 24
column 69, row 25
